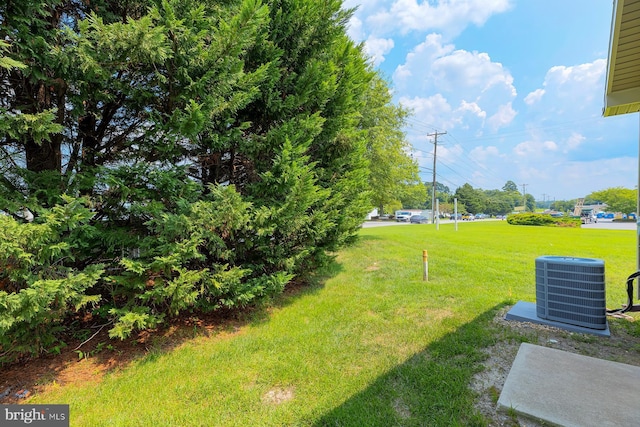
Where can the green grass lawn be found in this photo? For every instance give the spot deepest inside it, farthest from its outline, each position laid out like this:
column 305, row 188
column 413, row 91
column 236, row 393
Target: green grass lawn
column 371, row 344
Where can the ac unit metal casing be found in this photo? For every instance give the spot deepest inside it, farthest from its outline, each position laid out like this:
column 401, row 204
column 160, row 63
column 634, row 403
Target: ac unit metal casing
column 571, row 290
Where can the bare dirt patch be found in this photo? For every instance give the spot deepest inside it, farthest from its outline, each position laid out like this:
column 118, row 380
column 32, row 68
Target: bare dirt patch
column 278, row 395
column 373, row 267
column 622, row 346
column 402, row 409
column 102, row 355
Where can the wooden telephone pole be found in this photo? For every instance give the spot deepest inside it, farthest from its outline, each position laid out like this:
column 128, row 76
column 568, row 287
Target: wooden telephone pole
column 433, row 190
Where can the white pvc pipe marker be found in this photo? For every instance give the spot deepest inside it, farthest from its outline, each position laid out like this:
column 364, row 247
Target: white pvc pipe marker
column 425, row 261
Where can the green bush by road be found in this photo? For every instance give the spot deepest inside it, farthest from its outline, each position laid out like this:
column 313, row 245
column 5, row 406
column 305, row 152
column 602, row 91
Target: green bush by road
column 543, row 220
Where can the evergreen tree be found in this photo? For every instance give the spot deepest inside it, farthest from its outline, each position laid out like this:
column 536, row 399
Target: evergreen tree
column 530, row 203
column 510, row 187
column 443, row 193
column 183, row 154
column 474, row 200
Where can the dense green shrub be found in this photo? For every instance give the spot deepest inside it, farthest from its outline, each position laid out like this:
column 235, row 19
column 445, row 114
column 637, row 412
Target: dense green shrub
column 542, row 220
column 38, row 288
column 177, row 155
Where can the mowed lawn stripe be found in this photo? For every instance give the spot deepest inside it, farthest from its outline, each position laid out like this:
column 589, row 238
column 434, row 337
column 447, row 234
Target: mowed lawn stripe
column 370, row 344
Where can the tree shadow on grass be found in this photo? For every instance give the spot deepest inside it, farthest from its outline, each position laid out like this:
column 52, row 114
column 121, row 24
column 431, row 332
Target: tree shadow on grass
column 432, row 388
column 364, row 238
column 88, row 360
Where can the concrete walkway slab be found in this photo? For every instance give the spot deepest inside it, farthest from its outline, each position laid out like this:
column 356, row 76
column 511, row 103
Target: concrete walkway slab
column 571, row 390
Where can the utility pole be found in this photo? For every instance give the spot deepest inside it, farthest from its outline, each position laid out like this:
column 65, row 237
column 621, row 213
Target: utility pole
column 544, row 200
column 433, row 190
column 524, row 197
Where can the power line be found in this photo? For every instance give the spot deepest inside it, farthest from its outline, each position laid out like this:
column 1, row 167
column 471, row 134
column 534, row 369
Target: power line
column 415, row 123
column 489, row 172
column 433, row 190
column 466, row 159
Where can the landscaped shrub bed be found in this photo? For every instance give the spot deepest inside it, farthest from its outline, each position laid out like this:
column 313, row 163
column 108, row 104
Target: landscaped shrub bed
column 542, row 220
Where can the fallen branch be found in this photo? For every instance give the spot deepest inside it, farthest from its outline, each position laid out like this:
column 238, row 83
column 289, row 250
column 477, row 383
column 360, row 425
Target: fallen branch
column 92, row 336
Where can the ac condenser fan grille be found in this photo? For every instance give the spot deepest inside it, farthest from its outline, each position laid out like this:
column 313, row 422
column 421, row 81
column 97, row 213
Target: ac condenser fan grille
column 571, row 290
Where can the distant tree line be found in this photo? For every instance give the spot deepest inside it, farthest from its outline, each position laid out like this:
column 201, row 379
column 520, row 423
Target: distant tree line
column 616, row 199
column 505, row 201
column 476, row 200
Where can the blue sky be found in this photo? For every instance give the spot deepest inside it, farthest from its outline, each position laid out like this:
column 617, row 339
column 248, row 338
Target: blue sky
column 517, row 85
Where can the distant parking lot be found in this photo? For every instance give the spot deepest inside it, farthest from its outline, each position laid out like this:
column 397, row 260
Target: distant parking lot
column 371, row 224
column 602, row 223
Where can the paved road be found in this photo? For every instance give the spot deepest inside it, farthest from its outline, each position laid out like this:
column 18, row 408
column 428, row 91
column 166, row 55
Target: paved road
column 370, row 224
column 609, row 224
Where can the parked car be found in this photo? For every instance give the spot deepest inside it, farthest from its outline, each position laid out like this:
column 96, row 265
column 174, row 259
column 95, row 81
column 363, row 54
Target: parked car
column 588, row 218
column 468, row 217
column 459, row 216
column 403, row 216
column 419, row 219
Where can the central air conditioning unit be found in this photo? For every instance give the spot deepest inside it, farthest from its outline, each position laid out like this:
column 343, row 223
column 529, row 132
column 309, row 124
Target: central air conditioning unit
column 571, row 290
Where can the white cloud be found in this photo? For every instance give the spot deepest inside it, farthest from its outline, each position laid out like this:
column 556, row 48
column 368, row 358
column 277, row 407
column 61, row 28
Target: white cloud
column 584, row 73
column 450, row 153
column 480, row 87
column 500, row 78
column 377, row 48
column 463, row 69
column 483, row 154
column 426, row 106
column 402, row 73
column 435, row 111
column 503, row 117
column 472, row 107
column 434, row 65
column 534, row 148
column 470, row 116
column 419, row 61
column 534, row 96
column 449, row 17
column 355, row 29
column 567, row 89
column 574, row 141
column 577, row 86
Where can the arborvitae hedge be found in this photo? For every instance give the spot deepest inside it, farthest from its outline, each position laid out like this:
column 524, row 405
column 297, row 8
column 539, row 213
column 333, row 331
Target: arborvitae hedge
column 204, row 154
